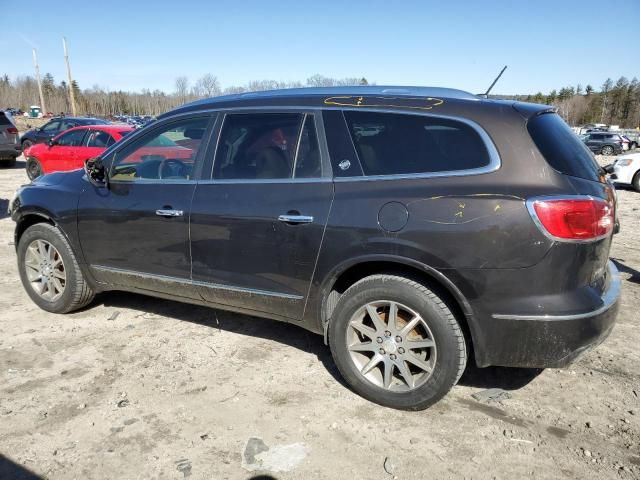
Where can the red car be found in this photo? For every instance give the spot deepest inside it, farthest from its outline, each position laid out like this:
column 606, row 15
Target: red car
column 70, row 149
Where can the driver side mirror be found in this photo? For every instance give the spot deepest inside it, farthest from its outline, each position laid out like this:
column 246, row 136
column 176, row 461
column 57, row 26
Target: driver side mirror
column 52, row 142
column 96, row 172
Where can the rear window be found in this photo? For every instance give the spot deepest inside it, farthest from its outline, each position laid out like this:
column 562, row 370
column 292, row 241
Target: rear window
column 562, row 148
column 391, row 144
column 4, row 120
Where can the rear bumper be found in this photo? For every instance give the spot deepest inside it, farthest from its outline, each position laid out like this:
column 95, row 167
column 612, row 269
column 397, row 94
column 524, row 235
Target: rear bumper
column 541, row 341
column 13, row 150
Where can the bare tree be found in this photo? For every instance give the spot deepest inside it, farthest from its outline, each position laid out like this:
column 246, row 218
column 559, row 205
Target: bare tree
column 208, row 86
column 182, row 89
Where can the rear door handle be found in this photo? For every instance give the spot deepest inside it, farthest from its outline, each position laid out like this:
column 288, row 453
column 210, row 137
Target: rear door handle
column 169, row 213
column 294, row 219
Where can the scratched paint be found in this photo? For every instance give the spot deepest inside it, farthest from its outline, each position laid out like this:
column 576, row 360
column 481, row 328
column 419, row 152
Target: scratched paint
column 416, row 103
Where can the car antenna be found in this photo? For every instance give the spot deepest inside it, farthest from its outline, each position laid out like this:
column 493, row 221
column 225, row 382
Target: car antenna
column 486, row 94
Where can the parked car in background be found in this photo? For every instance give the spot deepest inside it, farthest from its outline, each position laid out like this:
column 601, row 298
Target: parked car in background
column 70, row 149
column 605, row 143
column 626, row 170
column 629, row 143
column 402, row 224
column 10, row 147
column 15, row 112
column 54, row 127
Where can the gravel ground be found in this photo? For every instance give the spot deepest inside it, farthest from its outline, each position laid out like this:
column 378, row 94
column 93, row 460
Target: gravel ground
column 134, row 387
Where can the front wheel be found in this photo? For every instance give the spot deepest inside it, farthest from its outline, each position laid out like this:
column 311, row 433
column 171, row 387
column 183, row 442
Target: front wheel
column 635, row 183
column 607, row 150
column 49, row 270
column 396, row 342
column 26, row 144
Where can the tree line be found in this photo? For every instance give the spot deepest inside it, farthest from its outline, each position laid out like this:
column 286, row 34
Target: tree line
column 616, row 103
column 22, row 92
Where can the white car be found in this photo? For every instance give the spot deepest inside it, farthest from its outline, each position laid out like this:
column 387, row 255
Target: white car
column 626, row 170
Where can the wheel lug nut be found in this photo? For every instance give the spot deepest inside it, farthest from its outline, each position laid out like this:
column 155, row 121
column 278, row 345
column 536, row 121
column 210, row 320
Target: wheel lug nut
column 382, row 351
column 401, row 350
column 387, row 334
column 379, row 339
column 398, row 338
column 392, row 356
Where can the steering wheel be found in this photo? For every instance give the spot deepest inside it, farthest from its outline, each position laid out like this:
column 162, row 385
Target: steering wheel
column 172, row 162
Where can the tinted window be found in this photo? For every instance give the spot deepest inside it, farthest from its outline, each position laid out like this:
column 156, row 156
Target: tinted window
column 99, row 139
column 168, row 153
column 390, row 143
column 307, row 164
column 562, row 148
column 4, row 120
column 51, row 127
column 72, row 139
column 257, row 146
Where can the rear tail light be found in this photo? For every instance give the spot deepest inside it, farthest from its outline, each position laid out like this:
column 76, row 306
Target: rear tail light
column 12, row 130
column 573, row 218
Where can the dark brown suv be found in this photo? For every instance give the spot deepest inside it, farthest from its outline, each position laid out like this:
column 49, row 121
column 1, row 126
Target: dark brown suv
column 414, row 228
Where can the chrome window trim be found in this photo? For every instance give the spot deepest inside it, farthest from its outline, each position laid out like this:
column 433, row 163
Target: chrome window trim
column 196, row 283
column 495, row 161
column 265, row 180
column 608, row 301
column 541, row 227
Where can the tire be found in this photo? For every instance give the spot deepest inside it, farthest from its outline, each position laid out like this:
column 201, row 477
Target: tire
column 607, row 150
column 26, row 144
column 635, row 183
column 33, row 168
column 400, row 378
column 8, row 163
column 75, row 292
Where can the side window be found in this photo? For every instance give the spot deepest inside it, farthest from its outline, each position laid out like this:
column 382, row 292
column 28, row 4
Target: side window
column 391, row 143
column 66, row 125
column 258, row 146
column 308, row 163
column 167, row 153
column 52, row 126
column 99, row 139
column 72, row 138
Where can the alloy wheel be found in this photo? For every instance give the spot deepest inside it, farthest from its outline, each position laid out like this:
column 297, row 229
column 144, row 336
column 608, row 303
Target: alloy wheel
column 45, row 270
column 391, row 346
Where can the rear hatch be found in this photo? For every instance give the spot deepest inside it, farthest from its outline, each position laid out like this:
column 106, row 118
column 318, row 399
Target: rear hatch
column 582, row 220
column 8, row 131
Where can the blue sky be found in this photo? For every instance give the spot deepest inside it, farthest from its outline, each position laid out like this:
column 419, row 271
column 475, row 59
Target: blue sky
column 134, row 44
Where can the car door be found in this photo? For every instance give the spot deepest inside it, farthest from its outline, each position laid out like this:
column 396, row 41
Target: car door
column 257, row 224
column 49, row 130
column 594, row 142
column 135, row 233
column 61, row 155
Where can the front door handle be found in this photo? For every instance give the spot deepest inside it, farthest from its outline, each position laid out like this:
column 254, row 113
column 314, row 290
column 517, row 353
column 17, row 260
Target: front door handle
column 294, row 219
column 169, row 213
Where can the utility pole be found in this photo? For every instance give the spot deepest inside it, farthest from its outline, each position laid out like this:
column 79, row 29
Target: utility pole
column 72, row 94
column 35, row 64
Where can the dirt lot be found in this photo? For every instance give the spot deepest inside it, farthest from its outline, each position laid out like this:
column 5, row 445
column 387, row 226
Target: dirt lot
column 134, row 387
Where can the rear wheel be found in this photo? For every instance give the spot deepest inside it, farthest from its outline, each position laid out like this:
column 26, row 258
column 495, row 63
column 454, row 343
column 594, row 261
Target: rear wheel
column 49, row 270
column 34, row 169
column 607, row 150
column 635, row 183
column 396, row 342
